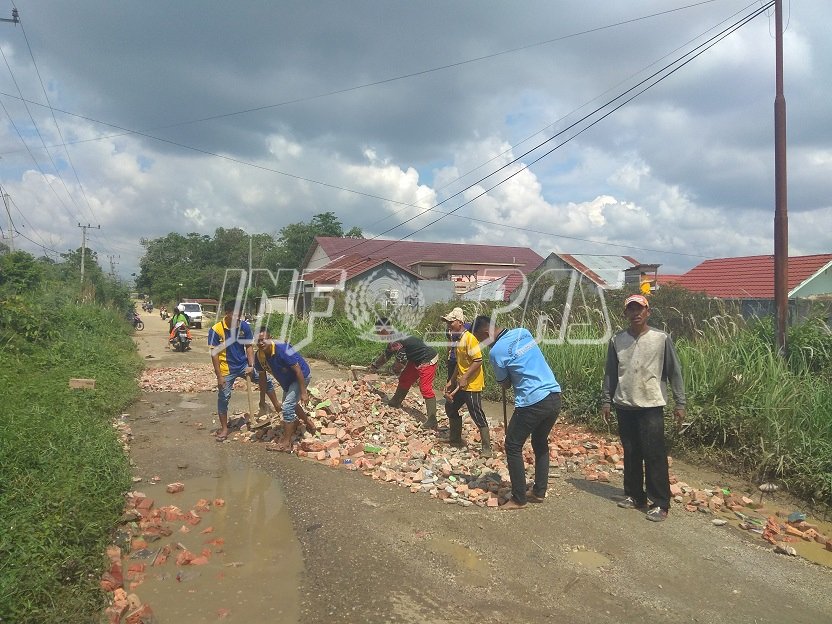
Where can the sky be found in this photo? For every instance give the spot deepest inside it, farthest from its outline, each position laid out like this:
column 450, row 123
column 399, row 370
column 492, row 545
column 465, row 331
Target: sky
column 152, row 117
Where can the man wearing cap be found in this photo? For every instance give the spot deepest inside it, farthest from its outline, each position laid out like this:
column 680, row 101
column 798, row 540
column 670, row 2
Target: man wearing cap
column 414, row 361
column 466, row 384
column 640, row 362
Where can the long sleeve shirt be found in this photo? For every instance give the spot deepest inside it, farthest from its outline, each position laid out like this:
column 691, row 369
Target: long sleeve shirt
column 638, row 369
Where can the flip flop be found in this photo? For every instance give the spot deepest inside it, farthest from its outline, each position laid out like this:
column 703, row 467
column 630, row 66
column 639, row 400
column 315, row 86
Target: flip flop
column 222, row 438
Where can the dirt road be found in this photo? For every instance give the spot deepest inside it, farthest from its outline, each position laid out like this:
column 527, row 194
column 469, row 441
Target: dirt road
column 308, row 543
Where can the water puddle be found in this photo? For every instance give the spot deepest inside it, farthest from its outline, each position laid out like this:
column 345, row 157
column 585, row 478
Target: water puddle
column 588, row 558
column 473, row 570
column 810, row 550
column 254, row 572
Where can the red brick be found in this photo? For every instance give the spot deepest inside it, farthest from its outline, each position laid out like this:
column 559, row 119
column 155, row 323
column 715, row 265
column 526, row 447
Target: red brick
column 174, row 488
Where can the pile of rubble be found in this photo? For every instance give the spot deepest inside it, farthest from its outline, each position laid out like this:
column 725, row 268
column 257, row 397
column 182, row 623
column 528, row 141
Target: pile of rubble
column 182, row 379
column 356, row 430
column 136, row 551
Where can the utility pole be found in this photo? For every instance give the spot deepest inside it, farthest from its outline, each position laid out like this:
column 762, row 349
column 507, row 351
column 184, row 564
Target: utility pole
column 9, row 217
column 15, row 17
column 113, row 264
column 84, row 248
column 781, row 218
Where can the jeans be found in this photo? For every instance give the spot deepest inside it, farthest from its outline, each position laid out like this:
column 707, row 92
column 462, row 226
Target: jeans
column 224, row 395
column 291, row 395
column 536, row 420
column 645, row 455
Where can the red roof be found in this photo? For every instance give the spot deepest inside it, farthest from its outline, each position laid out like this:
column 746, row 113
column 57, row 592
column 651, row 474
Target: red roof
column 407, row 253
column 349, row 266
column 749, row 277
column 662, row 279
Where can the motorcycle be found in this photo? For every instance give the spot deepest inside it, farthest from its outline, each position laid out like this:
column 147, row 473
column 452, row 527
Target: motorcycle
column 180, row 341
column 163, row 314
column 137, row 322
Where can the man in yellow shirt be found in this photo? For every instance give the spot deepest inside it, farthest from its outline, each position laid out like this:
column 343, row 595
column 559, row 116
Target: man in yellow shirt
column 466, row 383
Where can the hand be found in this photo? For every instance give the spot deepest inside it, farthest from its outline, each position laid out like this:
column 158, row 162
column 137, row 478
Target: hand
column 220, row 383
column 249, row 371
column 679, row 415
column 304, row 397
column 605, row 413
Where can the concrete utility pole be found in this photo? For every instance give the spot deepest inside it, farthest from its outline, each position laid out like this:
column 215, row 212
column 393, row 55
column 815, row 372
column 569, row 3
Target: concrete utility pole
column 113, row 264
column 781, row 217
column 15, row 17
column 84, row 248
column 11, row 233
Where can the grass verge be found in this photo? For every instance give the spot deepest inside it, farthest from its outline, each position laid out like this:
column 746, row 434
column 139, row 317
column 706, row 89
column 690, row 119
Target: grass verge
column 65, row 471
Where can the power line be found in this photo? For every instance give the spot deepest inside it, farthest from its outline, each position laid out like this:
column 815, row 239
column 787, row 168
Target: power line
column 57, row 126
column 702, row 48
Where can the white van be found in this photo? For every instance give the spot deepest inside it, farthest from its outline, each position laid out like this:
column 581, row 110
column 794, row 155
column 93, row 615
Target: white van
column 194, row 312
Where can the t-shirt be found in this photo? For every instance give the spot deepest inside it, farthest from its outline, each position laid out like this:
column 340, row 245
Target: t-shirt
column 278, row 359
column 515, row 355
column 411, row 349
column 468, row 352
column 453, row 338
column 232, row 356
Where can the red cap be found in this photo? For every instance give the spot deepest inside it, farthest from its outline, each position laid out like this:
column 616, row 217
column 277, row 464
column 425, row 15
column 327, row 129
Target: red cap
column 639, row 299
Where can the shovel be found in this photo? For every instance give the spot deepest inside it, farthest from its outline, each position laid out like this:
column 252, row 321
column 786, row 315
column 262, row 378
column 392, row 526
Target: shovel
column 252, row 422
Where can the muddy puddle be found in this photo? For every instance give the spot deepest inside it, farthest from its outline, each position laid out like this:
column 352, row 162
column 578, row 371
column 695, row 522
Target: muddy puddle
column 810, row 550
column 253, row 576
column 472, row 569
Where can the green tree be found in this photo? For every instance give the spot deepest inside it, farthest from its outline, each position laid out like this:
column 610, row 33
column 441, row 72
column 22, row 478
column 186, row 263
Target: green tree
column 20, row 271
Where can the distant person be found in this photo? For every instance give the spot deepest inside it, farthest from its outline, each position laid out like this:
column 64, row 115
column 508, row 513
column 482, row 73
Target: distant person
column 519, row 363
column 179, row 318
column 466, row 384
column 415, row 361
column 640, row 362
column 231, row 359
column 291, row 371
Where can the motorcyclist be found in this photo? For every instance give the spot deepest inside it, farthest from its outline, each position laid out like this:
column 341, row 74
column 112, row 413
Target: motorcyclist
column 179, row 318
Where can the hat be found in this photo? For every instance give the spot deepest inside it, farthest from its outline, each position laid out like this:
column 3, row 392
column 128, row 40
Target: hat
column 639, row 299
column 454, row 315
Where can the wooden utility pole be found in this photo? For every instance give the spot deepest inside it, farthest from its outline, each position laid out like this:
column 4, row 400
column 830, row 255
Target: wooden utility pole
column 781, row 217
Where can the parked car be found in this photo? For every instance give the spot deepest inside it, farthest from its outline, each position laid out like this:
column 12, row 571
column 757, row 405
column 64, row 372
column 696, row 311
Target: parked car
column 194, row 312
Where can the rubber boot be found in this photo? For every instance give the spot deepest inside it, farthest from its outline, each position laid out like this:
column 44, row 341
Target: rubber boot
column 430, row 408
column 485, row 436
column 398, row 397
column 455, row 438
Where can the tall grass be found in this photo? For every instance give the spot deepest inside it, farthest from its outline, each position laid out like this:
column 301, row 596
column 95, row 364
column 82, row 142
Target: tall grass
column 64, row 468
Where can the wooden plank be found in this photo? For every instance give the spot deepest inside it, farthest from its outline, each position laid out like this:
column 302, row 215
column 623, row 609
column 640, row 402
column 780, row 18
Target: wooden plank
column 82, row 384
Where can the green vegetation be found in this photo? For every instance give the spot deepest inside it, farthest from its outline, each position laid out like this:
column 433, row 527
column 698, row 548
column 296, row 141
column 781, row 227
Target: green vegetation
column 65, row 471
column 751, row 411
column 199, row 262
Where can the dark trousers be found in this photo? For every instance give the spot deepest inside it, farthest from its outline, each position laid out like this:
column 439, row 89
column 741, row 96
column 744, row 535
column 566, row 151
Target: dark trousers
column 536, row 421
column 645, row 455
column 473, row 401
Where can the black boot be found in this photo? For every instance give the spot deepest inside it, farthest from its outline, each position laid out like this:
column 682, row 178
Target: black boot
column 430, row 408
column 485, row 436
column 398, row 397
column 455, row 438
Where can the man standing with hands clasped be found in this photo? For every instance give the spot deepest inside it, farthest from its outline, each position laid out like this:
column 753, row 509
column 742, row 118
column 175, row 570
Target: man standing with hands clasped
column 519, row 363
column 640, row 362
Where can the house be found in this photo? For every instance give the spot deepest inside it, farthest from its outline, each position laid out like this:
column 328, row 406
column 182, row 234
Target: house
column 443, row 270
column 749, row 280
column 605, row 271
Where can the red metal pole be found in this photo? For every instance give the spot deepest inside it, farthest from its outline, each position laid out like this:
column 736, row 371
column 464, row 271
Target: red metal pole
column 781, row 218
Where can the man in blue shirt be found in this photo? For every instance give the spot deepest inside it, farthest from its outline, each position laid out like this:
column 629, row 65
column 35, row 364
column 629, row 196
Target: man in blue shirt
column 232, row 355
column 292, row 373
column 519, row 363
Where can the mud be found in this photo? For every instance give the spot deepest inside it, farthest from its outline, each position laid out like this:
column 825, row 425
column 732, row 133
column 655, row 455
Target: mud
column 373, row 552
